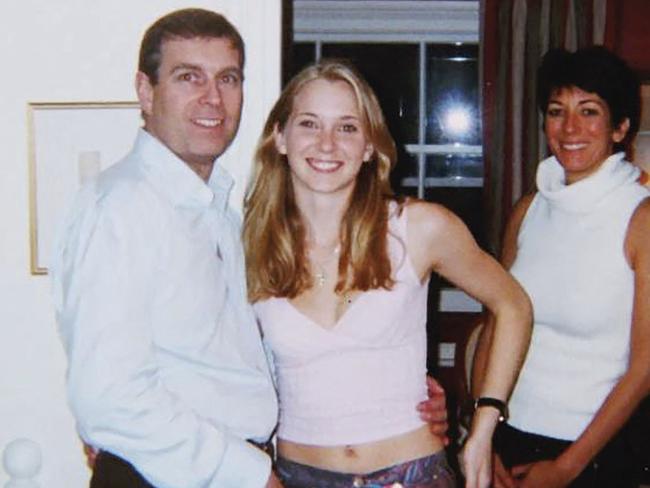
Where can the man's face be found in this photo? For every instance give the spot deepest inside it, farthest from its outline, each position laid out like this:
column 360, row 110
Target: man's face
column 195, row 107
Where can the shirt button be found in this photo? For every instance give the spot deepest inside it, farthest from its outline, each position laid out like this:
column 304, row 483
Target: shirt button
column 357, row 482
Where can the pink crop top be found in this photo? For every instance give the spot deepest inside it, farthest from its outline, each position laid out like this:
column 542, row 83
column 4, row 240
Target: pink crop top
column 361, row 380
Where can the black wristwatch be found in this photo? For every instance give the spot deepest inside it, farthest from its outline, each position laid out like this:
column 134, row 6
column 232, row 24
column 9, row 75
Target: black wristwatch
column 500, row 405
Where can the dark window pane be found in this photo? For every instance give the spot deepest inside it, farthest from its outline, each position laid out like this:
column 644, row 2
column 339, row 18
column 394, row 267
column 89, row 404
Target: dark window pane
column 405, row 174
column 454, row 166
column 392, row 71
column 452, row 94
column 302, row 54
column 464, row 202
column 408, row 191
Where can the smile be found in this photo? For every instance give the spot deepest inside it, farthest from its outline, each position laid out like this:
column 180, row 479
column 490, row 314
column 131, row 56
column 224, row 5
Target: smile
column 208, row 123
column 574, row 147
column 325, row 166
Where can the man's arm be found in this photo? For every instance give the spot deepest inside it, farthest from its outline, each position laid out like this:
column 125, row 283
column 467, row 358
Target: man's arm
column 273, row 481
column 104, row 277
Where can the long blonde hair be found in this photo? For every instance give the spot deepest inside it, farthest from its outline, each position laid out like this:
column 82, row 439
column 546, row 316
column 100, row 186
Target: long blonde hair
column 274, row 232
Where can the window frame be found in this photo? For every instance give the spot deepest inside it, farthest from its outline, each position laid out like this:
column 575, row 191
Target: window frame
column 418, row 22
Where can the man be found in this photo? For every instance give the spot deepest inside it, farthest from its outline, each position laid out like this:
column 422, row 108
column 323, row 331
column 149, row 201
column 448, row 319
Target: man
column 166, row 369
column 167, row 374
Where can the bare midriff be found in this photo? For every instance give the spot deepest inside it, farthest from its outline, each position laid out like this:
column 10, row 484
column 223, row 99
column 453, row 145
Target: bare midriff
column 365, row 457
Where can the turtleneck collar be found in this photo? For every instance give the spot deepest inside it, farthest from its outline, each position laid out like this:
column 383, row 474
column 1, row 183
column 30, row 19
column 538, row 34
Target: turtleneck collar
column 582, row 196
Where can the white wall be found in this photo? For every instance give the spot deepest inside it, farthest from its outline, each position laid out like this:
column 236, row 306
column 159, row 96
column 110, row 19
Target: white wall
column 73, row 50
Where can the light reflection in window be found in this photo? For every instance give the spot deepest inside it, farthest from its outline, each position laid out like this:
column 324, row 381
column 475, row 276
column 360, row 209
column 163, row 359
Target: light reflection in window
column 457, row 121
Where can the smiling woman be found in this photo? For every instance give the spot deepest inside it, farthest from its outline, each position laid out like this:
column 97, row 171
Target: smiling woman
column 326, row 147
column 579, row 248
column 338, row 269
column 422, row 66
column 579, row 131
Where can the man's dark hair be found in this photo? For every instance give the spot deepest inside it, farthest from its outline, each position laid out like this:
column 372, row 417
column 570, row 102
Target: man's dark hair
column 595, row 70
column 184, row 24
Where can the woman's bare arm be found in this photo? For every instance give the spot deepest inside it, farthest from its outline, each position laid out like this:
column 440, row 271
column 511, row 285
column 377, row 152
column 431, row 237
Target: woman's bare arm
column 438, row 241
column 508, row 255
column 633, row 386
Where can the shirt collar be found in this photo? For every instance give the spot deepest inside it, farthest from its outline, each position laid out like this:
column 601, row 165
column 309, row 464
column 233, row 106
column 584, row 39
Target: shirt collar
column 175, row 179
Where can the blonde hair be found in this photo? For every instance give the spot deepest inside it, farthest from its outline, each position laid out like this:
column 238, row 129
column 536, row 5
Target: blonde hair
column 274, row 233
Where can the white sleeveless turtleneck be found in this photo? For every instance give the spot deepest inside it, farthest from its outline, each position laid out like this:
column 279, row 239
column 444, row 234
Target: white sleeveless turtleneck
column 571, row 261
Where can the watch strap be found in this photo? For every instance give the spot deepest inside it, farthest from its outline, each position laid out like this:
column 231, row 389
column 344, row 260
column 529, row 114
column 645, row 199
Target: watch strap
column 500, row 405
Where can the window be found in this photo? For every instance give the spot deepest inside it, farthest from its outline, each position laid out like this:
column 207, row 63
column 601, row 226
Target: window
column 421, row 58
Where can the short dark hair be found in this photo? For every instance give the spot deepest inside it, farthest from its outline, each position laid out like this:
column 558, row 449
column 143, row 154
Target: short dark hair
column 187, row 23
column 596, row 70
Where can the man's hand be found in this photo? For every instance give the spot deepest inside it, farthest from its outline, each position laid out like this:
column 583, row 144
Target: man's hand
column 273, row 481
column 434, row 410
column 91, row 455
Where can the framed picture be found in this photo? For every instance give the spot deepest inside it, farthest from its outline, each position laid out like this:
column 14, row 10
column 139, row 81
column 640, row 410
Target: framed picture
column 69, row 144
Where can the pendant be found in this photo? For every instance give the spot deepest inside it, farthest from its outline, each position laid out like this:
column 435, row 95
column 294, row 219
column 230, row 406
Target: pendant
column 320, row 278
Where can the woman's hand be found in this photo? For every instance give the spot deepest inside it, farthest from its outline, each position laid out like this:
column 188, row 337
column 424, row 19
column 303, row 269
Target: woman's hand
column 502, row 476
column 475, row 462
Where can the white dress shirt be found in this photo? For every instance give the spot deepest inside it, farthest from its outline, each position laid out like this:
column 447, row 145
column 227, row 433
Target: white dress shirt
column 166, row 365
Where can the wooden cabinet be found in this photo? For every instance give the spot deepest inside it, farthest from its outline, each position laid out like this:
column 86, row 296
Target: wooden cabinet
column 448, row 340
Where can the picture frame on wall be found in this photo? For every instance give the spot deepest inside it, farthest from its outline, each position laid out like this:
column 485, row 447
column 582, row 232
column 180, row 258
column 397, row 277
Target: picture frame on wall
column 69, row 143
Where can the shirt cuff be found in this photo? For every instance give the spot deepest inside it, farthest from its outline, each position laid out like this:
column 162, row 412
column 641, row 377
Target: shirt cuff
column 242, row 466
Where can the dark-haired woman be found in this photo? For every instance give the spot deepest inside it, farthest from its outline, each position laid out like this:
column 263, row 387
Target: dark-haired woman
column 580, row 248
